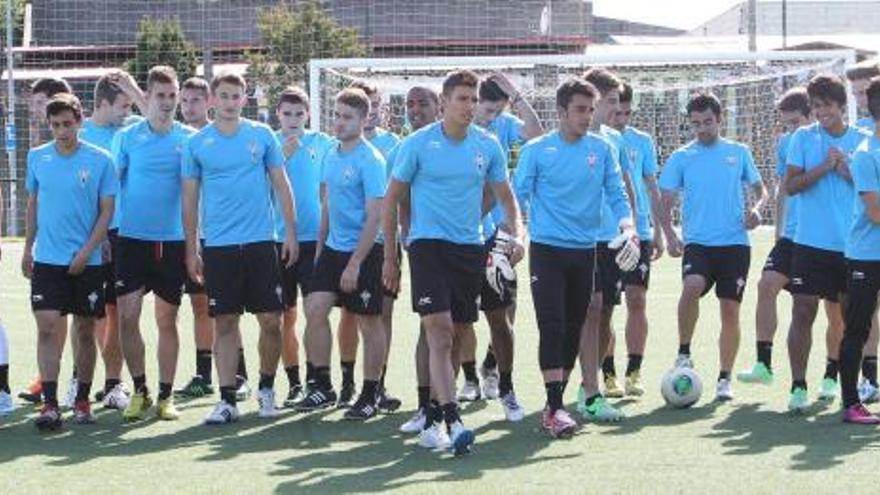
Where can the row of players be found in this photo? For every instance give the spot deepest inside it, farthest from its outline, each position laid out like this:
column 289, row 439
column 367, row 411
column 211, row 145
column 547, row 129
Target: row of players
column 565, row 223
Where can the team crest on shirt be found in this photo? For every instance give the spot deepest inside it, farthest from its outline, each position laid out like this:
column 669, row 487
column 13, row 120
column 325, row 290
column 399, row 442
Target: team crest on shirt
column 632, row 154
column 254, row 150
column 592, row 158
column 313, row 154
column 142, row 136
column 479, row 161
column 348, row 173
column 730, row 160
column 83, row 175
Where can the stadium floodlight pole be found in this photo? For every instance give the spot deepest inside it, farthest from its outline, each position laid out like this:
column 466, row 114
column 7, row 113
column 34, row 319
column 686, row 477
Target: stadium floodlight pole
column 11, row 226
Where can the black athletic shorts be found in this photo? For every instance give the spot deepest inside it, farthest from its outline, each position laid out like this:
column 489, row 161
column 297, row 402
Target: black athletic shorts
column 154, row 266
column 609, row 277
column 491, row 300
column 53, row 289
column 299, row 274
column 641, row 276
column 243, row 277
column 367, row 298
column 109, row 269
column 446, row 276
column 781, row 257
column 725, row 267
column 818, row 272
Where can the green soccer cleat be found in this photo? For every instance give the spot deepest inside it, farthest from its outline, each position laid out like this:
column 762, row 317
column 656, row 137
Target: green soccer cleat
column 759, row 373
column 197, row 387
column 798, row 402
column 602, row 412
column 828, row 390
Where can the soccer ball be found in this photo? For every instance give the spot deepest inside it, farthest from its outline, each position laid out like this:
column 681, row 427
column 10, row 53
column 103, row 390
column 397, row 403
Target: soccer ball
column 681, row 387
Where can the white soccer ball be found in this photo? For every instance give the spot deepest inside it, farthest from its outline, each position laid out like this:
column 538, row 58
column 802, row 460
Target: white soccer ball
column 681, row 387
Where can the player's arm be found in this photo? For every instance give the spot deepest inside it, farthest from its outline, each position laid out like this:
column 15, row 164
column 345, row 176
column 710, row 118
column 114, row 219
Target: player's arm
column 284, row 193
column 97, row 236
column 753, row 218
column 656, row 213
column 366, row 241
column 781, row 204
column 521, row 107
column 324, row 224
column 30, row 233
column 191, row 189
column 126, row 83
column 797, row 179
column 871, row 199
column 513, row 223
column 404, row 213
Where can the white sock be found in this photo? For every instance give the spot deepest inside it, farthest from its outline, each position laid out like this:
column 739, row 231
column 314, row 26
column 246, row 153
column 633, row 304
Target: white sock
column 4, row 345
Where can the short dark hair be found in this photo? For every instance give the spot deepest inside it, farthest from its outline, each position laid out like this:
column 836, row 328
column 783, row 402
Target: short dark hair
column 51, row 86
column 228, row 78
column 866, row 69
column 355, row 98
column 293, row 95
column 367, row 87
column 198, row 84
column 795, row 100
column 626, row 93
column 603, row 79
column 701, row 102
column 574, row 86
column 464, row 77
column 106, row 89
column 873, row 94
column 491, row 91
column 161, row 74
column 424, row 89
column 64, row 102
column 827, row 87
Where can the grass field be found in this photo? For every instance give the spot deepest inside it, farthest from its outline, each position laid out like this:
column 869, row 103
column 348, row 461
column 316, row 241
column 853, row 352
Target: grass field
column 747, row 446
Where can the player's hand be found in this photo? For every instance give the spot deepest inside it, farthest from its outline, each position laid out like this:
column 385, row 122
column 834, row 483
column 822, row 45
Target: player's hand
column 78, row 265
column 106, row 252
column 27, row 263
column 674, row 247
column 843, row 168
column 289, row 251
column 512, row 247
column 505, row 85
column 658, row 246
column 753, row 219
column 194, row 267
column 835, row 157
column 124, row 81
column 349, row 279
column 291, row 144
column 391, row 275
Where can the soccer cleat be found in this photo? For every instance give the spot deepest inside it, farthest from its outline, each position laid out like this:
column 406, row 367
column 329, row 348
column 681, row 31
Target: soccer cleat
column 33, row 393
column 82, row 413
column 222, row 414
column 99, row 395
column 723, row 390
column 859, row 414
column 117, row 398
column 434, row 437
column 70, row 398
column 242, row 389
column 798, row 402
column 558, row 424
column 137, row 408
column 294, row 395
column 317, row 399
column 49, row 418
column 601, row 411
column 633, row 384
column 612, row 389
column 7, row 405
column 683, row 361
column 166, row 411
column 346, row 396
column 266, row 400
column 197, row 387
column 469, row 392
column 490, row 382
column 828, row 390
column 868, row 393
column 363, row 409
column 513, row 411
column 759, row 373
column 461, row 439
column 581, row 404
column 416, row 423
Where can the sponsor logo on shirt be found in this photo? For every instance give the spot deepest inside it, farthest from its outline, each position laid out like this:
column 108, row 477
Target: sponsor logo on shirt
column 434, row 145
column 730, row 160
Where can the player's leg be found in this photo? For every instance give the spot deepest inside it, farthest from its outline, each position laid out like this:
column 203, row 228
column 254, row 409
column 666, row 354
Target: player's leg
column 833, row 337
column 348, row 340
column 49, row 348
column 696, row 282
column 610, row 282
column 298, row 275
column 86, row 355
column 470, row 389
column 500, row 322
column 731, row 266
column 869, row 391
column 423, row 386
column 168, row 351
column 860, row 308
column 201, row 384
column 387, row 401
column 635, row 285
column 7, row 405
column 115, row 393
column 133, row 259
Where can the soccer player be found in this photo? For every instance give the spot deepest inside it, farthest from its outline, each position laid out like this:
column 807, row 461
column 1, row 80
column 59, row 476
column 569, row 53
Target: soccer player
column 348, row 266
column 149, row 253
column 819, row 175
column 859, row 76
column 567, row 177
column 497, row 299
column 447, row 166
column 71, row 186
column 230, row 165
column 863, row 260
column 304, row 151
column 639, row 148
column 710, row 172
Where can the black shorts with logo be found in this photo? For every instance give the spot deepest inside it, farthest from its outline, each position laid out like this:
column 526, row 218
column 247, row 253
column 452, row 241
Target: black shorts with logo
column 725, row 267
column 781, row 257
column 446, row 276
column 367, row 298
column 299, row 274
column 154, row 266
column 609, row 277
column 641, row 276
column 243, row 277
column 818, row 272
column 53, row 289
column 491, row 300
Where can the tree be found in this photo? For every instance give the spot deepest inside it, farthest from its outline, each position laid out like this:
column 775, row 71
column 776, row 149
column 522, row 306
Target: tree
column 17, row 20
column 162, row 43
column 292, row 36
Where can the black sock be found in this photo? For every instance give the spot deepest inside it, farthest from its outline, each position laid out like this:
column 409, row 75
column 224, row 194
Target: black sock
column 4, row 378
column 869, row 369
column 424, row 397
column 554, row 395
column 450, row 413
column 562, row 386
column 505, row 383
column 765, row 353
column 242, row 365
column 227, row 394
column 489, row 361
column 292, row 375
column 370, row 390
column 724, row 375
column 140, row 384
column 322, row 377
column 82, row 390
column 310, row 373
column 347, row 372
column 591, row 399
column 110, row 383
column 633, row 363
column 433, row 413
column 203, row 364
column 798, row 384
column 164, row 391
column 832, row 366
column 470, row 371
column 74, row 374
column 50, row 393
column 267, row 382
column 684, row 349
column 608, row 367
column 382, row 377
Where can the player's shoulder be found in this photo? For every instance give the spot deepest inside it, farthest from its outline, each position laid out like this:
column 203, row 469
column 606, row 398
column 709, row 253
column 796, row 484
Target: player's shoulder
column 688, row 149
column 256, row 128
column 541, row 141
column 483, row 137
column 598, row 140
column 812, row 130
column 431, row 133
column 859, row 132
column 387, row 135
column 733, row 145
column 637, row 136
column 89, row 151
column 43, row 152
column 370, row 152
